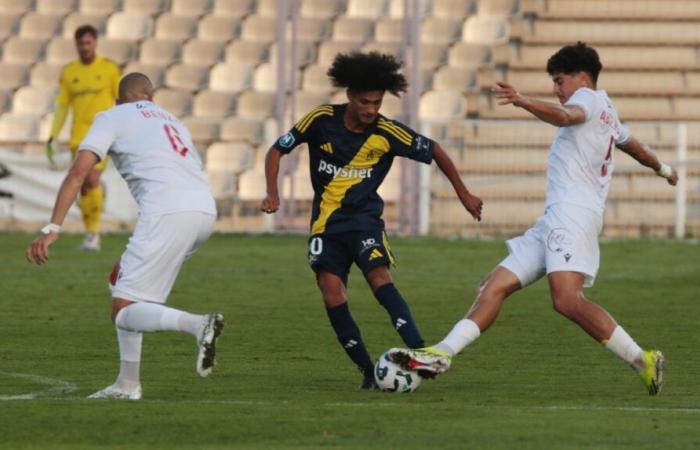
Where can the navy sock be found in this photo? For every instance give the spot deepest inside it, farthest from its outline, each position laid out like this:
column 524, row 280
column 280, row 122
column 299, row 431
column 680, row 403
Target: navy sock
column 350, row 338
column 390, row 298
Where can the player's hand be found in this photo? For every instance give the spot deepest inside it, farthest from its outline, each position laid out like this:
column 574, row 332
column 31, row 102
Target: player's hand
column 473, row 204
column 270, row 203
column 38, row 251
column 506, row 94
column 673, row 179
column 50, row 152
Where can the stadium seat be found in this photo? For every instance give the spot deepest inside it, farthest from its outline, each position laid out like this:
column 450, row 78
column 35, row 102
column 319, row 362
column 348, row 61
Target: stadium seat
column 265, row 78
column 442, row 105
column 238, row 129
column 396, row 9
column 5, row 97
column 453, row 9
column 56, row 7
column 231, row 77
column 8, row 25
column 119, row 51
column 39, row 26
column 328, row 50
column 62, row 50
column 187, row 78
column 149, row 7
column 202, row 53
column 256, row 105
column 392, row 107
column 164, row 53
column 129, row 26
column 455, row 79
column 77, row 19
column 22, row 51
column 175, row 101
column 218, row 29
column 352, row 29
column 267, row 8
column 99, row 6
column 687, row 108
column 33, row 100
column 321, row 9
column 18, row 128
column 213, row 104
column 497, row 7
column 190, row 8
column 13, row 75
column 170, row 27
column 311, row 29
column 233, row 8
column 232, row 157
column 154, row 72
column 244, row 52
column 693, row 82
column 305, row 53
column 388, row 29
column 466, row 55
column 391, row 48
column 203, row 130
column 644, row 108
column 307, row 101
column 511, row 132
column 259, row 29
column 625, row 10
column 368, row 9
column 42, row 74
column 440, row 31
column 315, row 79
column 485, row 30
column 16, row 6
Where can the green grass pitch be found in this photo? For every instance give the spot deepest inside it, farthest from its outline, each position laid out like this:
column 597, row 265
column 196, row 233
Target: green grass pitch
column 533, row 381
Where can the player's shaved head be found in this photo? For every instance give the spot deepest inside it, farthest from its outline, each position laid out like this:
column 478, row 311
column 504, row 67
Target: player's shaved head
column 133, row 87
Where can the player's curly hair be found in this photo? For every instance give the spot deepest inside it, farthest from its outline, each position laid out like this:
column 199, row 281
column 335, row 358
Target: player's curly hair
column 371, row 71
column 575, row 58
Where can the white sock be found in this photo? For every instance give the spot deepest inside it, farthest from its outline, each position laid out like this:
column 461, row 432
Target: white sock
column 463, row 333
column 624, row 346
column 144, row 316
column 130, row 358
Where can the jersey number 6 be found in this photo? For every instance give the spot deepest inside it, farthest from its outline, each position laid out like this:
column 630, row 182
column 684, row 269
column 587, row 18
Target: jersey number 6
column 175, row 139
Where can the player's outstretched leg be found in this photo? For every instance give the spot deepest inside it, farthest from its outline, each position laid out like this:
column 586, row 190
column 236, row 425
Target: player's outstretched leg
column 427, row 361
column 652, row 374
column 213, row 325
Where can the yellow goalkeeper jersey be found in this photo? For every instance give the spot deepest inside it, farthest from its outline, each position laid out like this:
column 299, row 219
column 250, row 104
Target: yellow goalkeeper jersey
column 87, row 89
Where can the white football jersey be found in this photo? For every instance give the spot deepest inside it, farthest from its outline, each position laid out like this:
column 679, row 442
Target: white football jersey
column 581, row 158
column 154, row 153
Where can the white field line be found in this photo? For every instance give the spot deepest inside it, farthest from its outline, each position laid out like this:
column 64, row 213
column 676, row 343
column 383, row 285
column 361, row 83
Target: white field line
column 55, row 387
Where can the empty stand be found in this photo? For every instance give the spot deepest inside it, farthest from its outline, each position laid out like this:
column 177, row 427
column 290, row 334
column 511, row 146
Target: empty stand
column 245, row 52
column 218, row 28
column 187, row 78
column 42, row 74
column 129, row 26
column 155, row 72
column 321, row 9
column 13, row 75
column 177, row 102
column 99, row 6
column 56, row 7
column 172, row 27
column 22, row 51
column 33, row 100
column 39, row 26
column 213, row 104
column 202, row 53
column 191, row 8
column 370, row 9
column 233, row 8
column 444, row 105
column 77, row 19
column 230, row 77
column 119, row 51
column 158, row 52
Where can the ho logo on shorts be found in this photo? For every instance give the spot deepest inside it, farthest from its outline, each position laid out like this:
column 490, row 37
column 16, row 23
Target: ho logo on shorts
column 558, row 240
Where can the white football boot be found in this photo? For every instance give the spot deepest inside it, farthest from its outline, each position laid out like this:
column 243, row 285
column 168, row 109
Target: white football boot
column 211, row 329
column 114, row 392
column 91, row 243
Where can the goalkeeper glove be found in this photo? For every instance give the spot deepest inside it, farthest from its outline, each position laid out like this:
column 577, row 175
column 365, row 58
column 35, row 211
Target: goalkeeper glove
column 50, row 151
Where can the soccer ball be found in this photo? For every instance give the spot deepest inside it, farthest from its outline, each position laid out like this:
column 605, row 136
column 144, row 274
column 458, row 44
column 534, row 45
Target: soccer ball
column 390, row 377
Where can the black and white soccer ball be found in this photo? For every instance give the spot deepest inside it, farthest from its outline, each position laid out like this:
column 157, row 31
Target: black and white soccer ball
column 390, row 377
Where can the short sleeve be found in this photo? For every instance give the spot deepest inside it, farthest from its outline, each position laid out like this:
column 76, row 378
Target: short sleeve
column 406, row 143
column 624, row 136
column 585, row 99
column 302, row 131
column 100, row 137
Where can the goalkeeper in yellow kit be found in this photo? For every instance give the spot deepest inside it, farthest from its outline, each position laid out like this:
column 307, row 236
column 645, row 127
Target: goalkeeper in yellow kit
column 88, row 85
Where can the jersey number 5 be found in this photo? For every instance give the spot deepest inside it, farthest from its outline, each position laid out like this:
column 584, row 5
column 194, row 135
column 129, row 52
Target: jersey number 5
column 175, row 139
column 608, row 157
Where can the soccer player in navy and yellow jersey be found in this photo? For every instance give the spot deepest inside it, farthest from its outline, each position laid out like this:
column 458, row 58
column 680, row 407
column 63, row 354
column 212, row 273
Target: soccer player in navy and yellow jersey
column 352, row 148
column 88, row 85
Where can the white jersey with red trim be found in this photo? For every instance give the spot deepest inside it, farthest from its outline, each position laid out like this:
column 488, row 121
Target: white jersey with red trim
column 581, row 159
column 154, row 153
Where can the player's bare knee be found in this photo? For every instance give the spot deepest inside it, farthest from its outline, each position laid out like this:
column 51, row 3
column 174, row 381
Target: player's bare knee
column 566, row 304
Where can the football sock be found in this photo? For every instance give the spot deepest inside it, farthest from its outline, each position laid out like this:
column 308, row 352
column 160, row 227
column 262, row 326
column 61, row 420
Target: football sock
column 401, row 318
column 91, row 206
column 130, row 358
column 621, row 344
column 350, row 338
column 463, row 333
column 144, row 316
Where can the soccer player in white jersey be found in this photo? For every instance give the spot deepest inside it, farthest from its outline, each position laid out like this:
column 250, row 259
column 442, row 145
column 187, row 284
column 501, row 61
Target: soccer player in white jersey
column 153, row 152
column 563, row 243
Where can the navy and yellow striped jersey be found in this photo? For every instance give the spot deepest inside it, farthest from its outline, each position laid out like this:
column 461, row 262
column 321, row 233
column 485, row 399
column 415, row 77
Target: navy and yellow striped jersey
column 347, row 167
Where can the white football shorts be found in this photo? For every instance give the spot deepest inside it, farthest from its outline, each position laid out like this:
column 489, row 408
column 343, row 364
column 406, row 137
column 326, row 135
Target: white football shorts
column 155, row 252
column 564, row 239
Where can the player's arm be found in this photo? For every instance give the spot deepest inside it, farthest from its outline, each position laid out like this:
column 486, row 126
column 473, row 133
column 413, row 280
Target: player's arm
column 60, row 114
column 554, row 113
column 646, row 157
column 271, row 202
column 472, row 203
column 38, row 251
